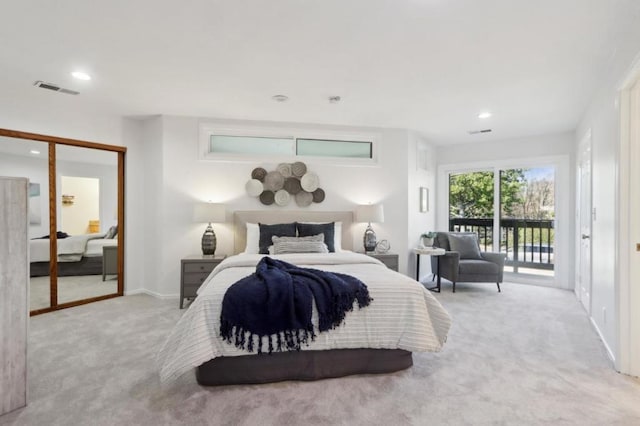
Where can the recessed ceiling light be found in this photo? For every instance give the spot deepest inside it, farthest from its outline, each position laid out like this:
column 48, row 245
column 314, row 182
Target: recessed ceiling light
column 484, row 115
column 81, row 75
column 35, row 152
column 280, row 98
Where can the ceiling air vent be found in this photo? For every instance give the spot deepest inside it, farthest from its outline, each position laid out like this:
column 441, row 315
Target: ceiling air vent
column 55, row 88
column 477, row 132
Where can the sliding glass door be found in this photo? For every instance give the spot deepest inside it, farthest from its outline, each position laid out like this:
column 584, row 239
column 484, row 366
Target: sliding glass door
column 512, row 210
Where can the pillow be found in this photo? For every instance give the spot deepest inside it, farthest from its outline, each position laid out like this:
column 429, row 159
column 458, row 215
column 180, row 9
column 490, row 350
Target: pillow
column 269, row 231
column 328, row 229
column 313, row 238
column 466, row 245
column 111, row 233
column 297, row 245
column 319, row 237
column 253, row 239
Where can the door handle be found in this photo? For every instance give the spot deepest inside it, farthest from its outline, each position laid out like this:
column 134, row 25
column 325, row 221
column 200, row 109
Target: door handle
column 585, row 237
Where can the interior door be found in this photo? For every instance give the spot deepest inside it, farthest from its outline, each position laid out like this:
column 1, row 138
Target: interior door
column 584, row 223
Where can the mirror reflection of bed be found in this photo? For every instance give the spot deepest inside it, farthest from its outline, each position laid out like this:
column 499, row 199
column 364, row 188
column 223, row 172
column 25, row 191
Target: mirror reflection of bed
column 87, row 181
column 80, row 274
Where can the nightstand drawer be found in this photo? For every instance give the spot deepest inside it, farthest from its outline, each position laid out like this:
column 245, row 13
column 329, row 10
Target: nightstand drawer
column 194, row 278
column 190, row 291
column 198, row 267
column 193, row 272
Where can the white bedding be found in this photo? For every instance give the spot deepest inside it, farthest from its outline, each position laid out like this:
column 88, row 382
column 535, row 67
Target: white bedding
column 403, row 314
column 70, row 249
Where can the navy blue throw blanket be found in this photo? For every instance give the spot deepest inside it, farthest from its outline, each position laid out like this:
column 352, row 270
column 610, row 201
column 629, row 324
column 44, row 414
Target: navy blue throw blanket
column 277, row 301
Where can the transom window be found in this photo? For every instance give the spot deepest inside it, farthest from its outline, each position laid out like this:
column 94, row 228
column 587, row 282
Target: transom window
column 226, row 144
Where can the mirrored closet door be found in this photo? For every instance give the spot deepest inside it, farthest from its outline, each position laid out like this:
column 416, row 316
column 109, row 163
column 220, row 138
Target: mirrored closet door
column 76, row 217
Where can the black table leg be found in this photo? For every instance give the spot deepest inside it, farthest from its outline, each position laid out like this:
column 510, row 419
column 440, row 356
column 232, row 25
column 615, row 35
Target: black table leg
column 437, row 287
column 418, row 267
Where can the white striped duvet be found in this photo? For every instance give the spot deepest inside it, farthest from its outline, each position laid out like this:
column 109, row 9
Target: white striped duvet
column 403, row 314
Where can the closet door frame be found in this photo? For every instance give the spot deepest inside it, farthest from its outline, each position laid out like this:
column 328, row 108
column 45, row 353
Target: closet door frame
column 53, row 241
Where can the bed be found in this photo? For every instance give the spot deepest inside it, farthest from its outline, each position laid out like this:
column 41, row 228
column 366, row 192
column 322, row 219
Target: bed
column 77, row 255
column 403, row 318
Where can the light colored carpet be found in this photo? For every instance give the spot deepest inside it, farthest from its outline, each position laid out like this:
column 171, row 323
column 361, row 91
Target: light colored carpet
column 525, row 356
column 70, row 289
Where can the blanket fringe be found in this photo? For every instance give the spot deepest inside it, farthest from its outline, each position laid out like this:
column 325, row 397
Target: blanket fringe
column 287, row 340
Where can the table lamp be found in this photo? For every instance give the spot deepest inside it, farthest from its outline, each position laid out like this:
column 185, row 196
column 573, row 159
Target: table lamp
column 209, row 213
column 370, row 213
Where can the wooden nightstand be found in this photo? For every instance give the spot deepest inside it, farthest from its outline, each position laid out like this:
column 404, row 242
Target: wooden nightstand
column 193, row 271
column 391, row 260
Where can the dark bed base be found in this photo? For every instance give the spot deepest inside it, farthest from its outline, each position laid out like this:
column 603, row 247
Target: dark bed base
column 303, row 365
column 86, row 266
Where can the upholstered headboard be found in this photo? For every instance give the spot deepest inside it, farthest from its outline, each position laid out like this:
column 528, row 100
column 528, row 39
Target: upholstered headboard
column 241, row 218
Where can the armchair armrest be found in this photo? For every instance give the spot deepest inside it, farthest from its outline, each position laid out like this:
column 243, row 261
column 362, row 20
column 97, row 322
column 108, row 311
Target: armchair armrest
column 448, row 265
column 497, row 258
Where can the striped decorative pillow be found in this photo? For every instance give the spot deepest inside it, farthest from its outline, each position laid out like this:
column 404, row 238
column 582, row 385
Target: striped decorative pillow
column 311, row 244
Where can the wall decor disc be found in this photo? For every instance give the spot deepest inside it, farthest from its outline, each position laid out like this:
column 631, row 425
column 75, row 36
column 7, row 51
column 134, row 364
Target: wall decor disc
column 318, row 195
column 282, row 198
column 267, row 198
column 258, row 173
column 284, row 169
column 273, row 181
column 292, row 185
column 304, row 199
column 310, row 182
column 254, row 187
column 298, row 168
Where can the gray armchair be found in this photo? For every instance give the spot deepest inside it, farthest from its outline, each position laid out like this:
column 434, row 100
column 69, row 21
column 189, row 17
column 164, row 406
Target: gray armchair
column 468, row 264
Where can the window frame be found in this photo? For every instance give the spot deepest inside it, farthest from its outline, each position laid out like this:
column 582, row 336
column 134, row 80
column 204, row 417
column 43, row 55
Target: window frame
column 294, row 133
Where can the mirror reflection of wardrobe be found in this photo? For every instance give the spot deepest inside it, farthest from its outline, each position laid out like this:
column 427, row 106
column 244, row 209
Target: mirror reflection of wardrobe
column 76, row 217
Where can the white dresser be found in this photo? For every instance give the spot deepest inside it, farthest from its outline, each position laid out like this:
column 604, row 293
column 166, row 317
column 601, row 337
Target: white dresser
column 14, row 292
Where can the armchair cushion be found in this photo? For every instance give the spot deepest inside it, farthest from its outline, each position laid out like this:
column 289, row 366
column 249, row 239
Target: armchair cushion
column 477, row 267
column 466, row 245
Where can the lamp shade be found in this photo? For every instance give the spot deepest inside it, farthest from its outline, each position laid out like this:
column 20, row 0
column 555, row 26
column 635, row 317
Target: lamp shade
column 209, row 213
column 370, row 213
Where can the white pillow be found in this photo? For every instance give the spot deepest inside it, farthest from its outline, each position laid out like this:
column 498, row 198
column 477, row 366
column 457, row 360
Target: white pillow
column 253, row 239
column 337, row 234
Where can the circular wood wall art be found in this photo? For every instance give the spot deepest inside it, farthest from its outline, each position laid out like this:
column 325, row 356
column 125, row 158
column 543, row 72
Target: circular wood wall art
column 298, row 169
column 284, row 169
column 267, row 198
column 292, row 185
column 258, row 173
column 273, row 181
column 318, row 195
column 282, row 198
column 254, row 187
column 304, row 199
column 310, row 182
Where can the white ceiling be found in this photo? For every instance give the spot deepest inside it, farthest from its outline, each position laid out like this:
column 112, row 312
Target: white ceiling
column 427, row 65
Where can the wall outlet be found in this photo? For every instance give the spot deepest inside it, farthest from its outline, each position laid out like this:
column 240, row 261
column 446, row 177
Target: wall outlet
column 604, row 315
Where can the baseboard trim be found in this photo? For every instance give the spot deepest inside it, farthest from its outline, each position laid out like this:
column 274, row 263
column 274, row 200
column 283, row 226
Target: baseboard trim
column 604, row 342
column 151, row 293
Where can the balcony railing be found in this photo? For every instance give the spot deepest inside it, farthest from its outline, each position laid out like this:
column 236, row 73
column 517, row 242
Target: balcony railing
column 528, row 243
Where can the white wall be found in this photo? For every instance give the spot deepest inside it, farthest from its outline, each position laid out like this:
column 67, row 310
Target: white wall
column 181, row 179
column 419, row 222
column 602, row 117
column 532, row 146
